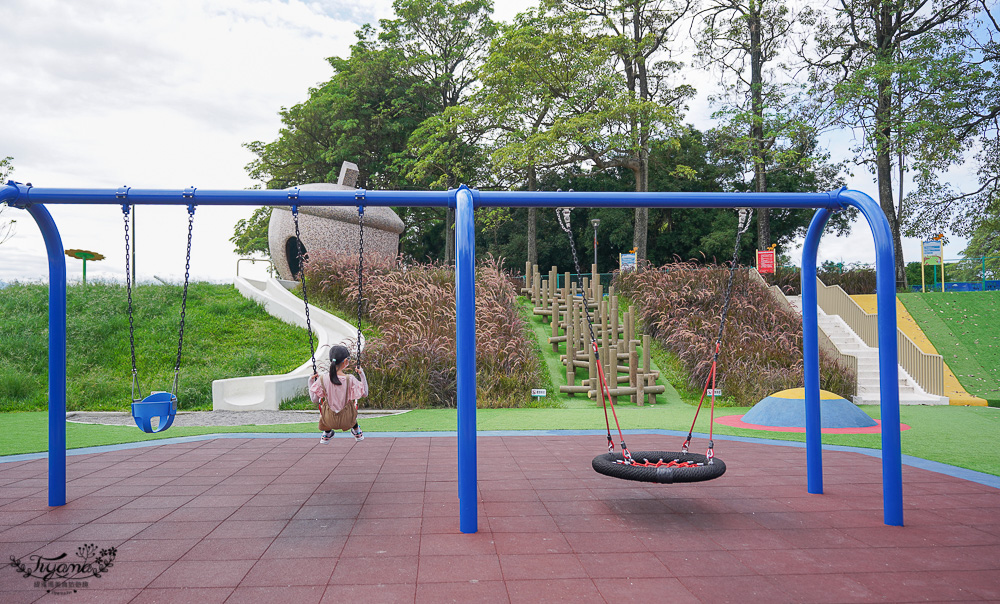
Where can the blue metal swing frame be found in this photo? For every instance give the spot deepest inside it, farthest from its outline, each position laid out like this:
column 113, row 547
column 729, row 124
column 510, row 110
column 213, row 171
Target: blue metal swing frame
column 464, row 201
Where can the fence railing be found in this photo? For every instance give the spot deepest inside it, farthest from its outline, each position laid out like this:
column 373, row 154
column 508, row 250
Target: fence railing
column 926, row 369
column 825, row 343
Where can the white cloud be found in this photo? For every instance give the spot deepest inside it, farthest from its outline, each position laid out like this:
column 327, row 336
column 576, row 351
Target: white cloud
column 154, row 95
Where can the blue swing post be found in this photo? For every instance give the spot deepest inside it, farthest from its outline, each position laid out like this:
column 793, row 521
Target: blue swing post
column 465, row 201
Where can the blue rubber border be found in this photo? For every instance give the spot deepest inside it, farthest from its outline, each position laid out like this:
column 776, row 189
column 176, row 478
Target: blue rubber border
column 915, row 462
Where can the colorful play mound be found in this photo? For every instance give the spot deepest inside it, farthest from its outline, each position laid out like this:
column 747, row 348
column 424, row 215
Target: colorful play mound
column 785, row 411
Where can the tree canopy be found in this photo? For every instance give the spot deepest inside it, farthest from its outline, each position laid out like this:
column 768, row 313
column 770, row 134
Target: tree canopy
column 591, row 95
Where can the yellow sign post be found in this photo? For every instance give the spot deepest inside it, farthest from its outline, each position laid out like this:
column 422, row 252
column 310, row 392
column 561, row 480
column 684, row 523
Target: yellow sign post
column 932, row 255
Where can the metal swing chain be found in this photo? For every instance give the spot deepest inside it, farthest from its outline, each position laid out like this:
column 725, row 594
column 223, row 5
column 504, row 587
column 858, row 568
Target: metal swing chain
column 361, row 271
column 305, row 294
column 742, row 225
column 126, row 209
column 184, row 295
column 563, row 218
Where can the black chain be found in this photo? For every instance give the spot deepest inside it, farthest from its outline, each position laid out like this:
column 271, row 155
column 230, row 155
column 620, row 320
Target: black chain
column 305, row 294
column 562, row 214
column 126, row 209
column 742, row 225
column 184, row 296
column 563, row 218
column 361, row 271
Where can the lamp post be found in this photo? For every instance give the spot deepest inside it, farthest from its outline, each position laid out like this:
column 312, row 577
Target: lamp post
column 595, row 222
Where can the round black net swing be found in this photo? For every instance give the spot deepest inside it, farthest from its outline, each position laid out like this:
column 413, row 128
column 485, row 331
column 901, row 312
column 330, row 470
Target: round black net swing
column 662, row 467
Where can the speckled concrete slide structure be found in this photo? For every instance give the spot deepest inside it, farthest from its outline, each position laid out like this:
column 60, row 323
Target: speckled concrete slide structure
column 265, row 392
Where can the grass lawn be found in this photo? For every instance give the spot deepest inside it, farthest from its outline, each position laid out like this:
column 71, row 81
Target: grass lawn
column 225, row 336
column 963, row 327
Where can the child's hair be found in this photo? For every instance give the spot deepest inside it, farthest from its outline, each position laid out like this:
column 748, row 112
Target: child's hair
column 337, row 356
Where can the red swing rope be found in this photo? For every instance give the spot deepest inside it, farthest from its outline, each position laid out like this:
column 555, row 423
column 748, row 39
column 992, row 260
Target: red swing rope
column 563, row 218
column 709, row 389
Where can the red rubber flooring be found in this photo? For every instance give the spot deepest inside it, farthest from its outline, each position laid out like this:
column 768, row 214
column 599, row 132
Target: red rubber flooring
column 296, row 522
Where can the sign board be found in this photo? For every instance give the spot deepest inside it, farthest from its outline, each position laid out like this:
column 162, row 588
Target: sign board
column 932, row 252
column 626, row 262
column 765, row 261
column 538, row 392
column 714, row 392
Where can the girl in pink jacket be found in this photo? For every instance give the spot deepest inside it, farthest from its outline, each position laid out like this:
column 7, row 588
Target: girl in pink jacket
column 337, row 396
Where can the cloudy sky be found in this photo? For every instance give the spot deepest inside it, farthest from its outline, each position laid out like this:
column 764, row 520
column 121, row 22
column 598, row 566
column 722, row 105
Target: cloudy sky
column 162, row 94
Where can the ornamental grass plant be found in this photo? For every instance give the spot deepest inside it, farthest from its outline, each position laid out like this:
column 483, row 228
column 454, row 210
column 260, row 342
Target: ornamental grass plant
column 410, row 357
column 856, row 278
column 681, row 305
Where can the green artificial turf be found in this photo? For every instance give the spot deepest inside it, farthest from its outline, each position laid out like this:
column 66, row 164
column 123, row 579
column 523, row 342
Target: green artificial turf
column 961, row 436
column 964, row 329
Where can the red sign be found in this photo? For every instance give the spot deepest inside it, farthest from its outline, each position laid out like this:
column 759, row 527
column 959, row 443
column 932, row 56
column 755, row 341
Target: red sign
column 765, row 261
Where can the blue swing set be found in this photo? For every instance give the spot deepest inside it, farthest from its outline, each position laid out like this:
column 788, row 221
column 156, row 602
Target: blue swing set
column 464, row 201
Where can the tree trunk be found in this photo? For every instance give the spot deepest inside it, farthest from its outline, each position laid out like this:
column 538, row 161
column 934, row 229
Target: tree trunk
column 532, row 221
column 449, row 236
column 641, row 227
column 757, row 126
column 883, row 150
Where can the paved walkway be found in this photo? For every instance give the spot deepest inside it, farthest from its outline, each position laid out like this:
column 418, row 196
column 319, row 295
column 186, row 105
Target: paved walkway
column 247, row 520
column 218, row 418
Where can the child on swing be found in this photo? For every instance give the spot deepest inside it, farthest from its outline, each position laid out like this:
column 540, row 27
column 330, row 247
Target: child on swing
column 337, row 395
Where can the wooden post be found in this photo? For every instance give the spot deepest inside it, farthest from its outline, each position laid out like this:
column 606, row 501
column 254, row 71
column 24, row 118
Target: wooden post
column 570, row 346
column 633, row 365
column 629, row 324
column 614, row 317
column 592, row 371
column 651, row 381
column 595, row 281
column 555, row 317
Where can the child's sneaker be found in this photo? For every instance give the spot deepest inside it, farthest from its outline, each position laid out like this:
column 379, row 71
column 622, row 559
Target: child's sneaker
column 325, row 437
column 358, row 434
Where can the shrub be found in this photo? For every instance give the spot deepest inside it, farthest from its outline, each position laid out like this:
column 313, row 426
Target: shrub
column 858, row 278
column 681, row 305
column 410, row 362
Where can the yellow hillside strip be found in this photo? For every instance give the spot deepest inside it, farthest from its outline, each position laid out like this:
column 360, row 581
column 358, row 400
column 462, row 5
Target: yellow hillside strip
column 956, row 394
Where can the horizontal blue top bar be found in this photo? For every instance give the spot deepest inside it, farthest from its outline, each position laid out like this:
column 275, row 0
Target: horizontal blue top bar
column 20, row 195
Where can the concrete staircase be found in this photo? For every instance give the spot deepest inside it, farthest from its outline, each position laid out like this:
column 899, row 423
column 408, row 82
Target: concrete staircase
column 868, row 393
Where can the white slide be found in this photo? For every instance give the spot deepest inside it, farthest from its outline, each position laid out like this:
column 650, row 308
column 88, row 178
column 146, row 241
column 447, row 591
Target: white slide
column 266, row 392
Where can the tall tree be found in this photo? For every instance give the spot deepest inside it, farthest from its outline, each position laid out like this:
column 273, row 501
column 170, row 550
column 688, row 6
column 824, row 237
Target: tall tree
column 443, row 42
column 535, row 81
column 937, row 203
column 865, row 53
column 640, row 33
column 743, row 39
column 364, row 114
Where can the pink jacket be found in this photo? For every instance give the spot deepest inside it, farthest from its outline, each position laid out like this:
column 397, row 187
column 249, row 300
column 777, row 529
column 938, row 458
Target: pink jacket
column 336, row 397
